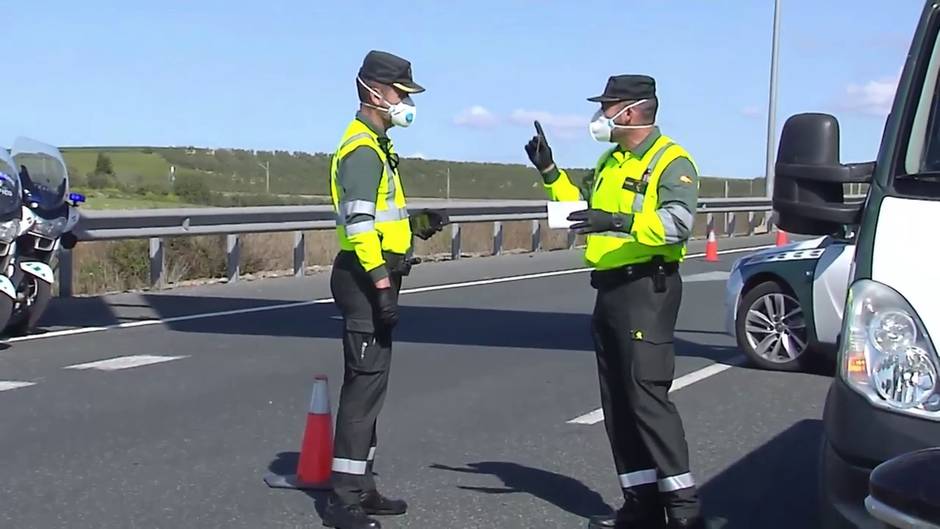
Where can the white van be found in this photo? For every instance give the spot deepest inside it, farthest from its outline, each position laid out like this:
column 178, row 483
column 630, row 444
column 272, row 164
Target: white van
column 884, row 400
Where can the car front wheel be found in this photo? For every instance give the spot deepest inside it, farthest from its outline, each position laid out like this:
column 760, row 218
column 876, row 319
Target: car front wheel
column 771, row 329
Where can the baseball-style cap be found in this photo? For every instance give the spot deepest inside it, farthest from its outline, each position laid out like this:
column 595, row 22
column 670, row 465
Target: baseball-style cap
column 386, row 68
column 627, row 88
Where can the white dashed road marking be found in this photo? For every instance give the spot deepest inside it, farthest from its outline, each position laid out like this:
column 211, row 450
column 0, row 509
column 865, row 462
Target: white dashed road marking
column 6, row 385
column 684, row 381
column 717, row 275
column 124, row 362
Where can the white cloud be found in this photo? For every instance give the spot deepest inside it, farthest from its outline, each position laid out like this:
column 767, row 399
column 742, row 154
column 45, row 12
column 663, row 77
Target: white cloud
column 753, row 112
column 873, row 98
column 476, row 116
column 418, row 155
column 563, row 125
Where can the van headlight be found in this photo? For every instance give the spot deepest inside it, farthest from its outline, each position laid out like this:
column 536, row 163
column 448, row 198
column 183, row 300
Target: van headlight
column 9, row 230
column 887, row 355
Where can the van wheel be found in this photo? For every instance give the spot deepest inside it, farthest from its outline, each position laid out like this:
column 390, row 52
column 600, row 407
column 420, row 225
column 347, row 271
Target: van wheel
column 771, row 329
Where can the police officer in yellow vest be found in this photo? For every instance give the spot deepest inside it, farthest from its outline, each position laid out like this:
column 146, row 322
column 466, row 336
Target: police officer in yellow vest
column 642, row 199
column 375, row 231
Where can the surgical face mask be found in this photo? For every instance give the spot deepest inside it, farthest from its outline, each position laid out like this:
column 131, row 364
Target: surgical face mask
column 602, row 127
column 402, row 114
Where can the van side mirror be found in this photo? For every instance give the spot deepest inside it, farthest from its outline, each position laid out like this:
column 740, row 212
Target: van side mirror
column 808, row 194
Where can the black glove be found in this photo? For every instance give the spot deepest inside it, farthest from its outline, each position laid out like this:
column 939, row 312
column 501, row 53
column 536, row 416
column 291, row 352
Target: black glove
column 539, row 151
column 426, row 223
column 387, row 307
column 595, row 220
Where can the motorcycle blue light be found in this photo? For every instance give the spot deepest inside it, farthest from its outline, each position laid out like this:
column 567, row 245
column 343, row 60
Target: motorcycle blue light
column 76, row 197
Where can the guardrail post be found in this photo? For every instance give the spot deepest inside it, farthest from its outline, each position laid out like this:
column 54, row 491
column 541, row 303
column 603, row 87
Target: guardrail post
column 233, row 252
column 497, row 238
column 730, row 219
column 709, row 224
column 572, row 239
column 455, row 241
column 157, row 263
column 300, row 253
column 536, row 235
column 750, row 223
column 65, row 268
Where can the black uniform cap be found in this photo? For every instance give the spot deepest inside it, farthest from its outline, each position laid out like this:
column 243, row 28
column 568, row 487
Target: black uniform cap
column 627, row 88
column 385, row 68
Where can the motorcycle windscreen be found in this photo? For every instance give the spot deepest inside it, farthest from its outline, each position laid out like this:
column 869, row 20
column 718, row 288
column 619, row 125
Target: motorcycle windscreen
column 11, row 194
column 42, row 172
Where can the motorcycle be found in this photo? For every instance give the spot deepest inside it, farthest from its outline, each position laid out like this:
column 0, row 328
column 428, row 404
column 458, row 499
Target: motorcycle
column 45, row 181
column 14, row 221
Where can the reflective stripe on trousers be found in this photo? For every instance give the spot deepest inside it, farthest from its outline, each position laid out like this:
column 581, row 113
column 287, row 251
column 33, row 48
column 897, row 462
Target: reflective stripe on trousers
column 648, row 477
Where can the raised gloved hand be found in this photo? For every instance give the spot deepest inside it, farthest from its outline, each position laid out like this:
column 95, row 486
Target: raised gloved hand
column 539, row 152
column 387, row 306
column 426, row 223
column 596, row 220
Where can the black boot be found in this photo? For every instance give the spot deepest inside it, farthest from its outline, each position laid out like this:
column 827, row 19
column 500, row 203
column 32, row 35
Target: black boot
column 374, row 503
column 627, row 518
column 341, row 516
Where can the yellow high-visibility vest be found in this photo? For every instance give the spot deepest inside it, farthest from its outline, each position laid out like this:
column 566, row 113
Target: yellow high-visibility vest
column 391, row 224
column 618, row 179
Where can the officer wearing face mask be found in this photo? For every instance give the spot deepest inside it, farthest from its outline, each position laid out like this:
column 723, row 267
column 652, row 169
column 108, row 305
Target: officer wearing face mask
column 642, row 199
column 375, row 232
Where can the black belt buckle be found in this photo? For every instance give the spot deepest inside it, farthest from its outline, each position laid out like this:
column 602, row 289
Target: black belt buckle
column 659, row 274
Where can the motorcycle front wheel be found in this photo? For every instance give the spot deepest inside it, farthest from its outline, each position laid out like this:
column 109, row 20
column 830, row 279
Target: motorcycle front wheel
column 38, row 294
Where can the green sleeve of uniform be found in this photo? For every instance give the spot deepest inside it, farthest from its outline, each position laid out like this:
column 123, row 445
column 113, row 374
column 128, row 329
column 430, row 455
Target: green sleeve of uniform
column 359, row 175
column 673, row 220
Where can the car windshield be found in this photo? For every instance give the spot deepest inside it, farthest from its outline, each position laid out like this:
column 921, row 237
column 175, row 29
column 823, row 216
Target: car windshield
column 42, row 171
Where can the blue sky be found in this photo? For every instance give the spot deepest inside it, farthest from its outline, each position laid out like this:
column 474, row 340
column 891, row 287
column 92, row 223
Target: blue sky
column 280, row 74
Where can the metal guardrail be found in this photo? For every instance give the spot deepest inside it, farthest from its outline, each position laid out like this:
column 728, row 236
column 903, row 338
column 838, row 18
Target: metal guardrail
column 156, row 224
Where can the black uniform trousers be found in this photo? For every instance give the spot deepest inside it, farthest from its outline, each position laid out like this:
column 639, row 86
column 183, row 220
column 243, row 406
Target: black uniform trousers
column 633, row 327
column 367, row 352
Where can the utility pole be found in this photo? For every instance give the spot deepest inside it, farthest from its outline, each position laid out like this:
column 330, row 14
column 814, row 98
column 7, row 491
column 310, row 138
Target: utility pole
column 772, row 104
column 267, row 175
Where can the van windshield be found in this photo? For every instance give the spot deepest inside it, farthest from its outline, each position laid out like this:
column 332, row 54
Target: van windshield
column 922, row 159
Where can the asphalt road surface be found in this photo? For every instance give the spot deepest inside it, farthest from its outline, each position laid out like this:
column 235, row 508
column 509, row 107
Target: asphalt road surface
column 166, row 410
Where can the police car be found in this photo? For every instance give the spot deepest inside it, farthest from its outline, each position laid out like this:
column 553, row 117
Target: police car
column 784, row 304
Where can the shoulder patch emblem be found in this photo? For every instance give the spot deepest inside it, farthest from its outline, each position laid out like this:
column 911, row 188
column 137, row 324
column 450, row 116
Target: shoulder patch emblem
column 685, row 179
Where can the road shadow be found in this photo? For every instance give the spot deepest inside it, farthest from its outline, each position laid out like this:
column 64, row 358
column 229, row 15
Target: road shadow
column 564, row 492
column 482, row 327
column 774, row 486
column 285, row 464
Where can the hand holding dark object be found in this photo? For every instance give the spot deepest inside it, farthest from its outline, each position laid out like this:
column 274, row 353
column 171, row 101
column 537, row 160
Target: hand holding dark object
column 538, row 150
column 426, row 223
column 595, row 220
column 387, row 306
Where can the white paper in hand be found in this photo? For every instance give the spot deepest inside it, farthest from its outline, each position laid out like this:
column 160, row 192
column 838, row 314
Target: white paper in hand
column 558, row 213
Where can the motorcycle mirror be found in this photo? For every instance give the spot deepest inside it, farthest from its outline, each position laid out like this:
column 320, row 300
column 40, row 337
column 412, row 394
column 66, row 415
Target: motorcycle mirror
column 69, row 240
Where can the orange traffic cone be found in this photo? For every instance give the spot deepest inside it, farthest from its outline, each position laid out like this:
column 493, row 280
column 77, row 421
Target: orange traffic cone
column 316, row 450
column 711, row 246
column 782, row 237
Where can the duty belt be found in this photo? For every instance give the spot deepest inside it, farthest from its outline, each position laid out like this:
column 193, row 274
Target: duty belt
column 658, row 268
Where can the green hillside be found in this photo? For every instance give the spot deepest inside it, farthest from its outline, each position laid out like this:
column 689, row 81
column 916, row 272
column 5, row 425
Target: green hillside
column 128, row 176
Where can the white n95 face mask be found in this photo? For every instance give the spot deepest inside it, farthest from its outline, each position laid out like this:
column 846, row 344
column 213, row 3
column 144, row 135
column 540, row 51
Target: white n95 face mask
column 402, row 114
column 602, row 127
